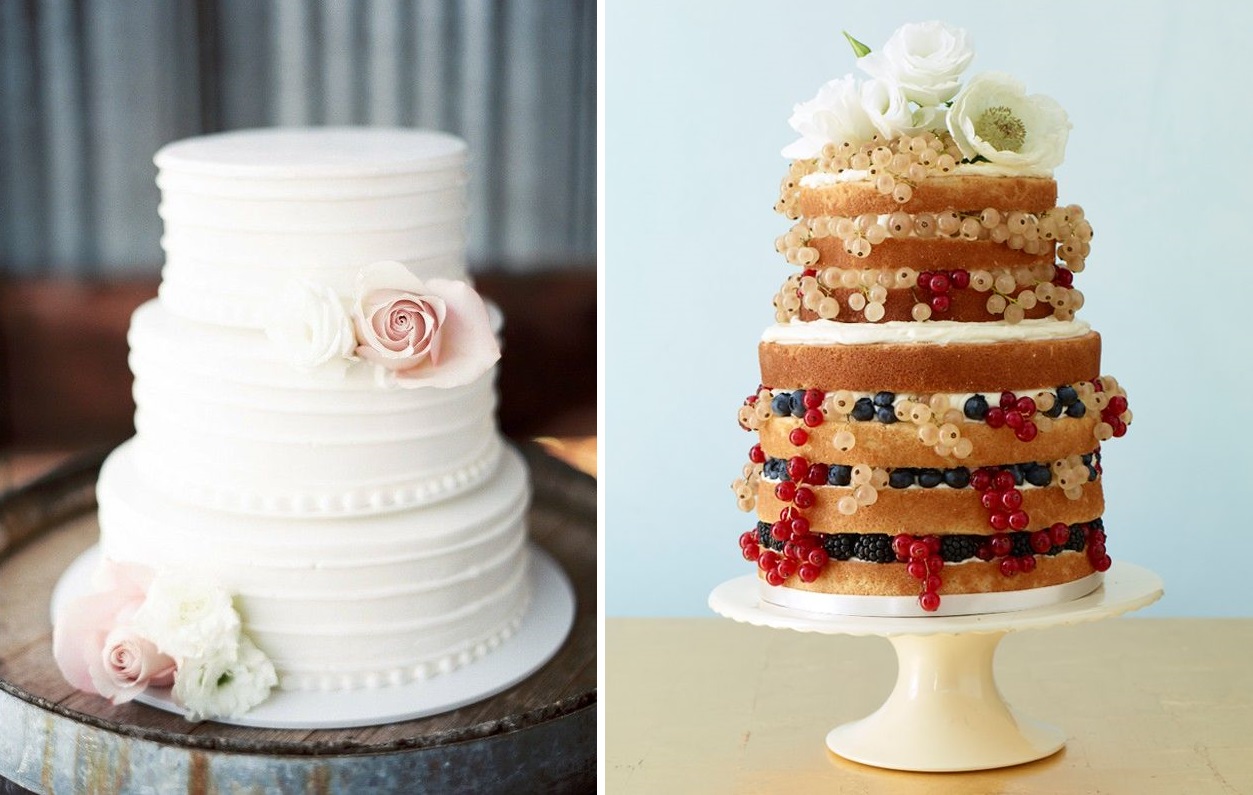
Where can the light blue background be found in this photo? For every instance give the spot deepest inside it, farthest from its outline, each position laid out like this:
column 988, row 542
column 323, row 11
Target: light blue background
column 1161, row 158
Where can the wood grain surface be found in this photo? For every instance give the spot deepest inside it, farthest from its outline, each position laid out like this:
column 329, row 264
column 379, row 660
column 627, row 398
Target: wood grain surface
column 712, row 706
column 42, row 541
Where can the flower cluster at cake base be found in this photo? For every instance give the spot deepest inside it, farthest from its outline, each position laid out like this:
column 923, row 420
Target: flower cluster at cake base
column 141, row 629
column 414, row 333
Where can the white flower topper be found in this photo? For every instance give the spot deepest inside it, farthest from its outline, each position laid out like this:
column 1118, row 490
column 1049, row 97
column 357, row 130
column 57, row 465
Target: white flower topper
column 915, row 86
column 416, row 333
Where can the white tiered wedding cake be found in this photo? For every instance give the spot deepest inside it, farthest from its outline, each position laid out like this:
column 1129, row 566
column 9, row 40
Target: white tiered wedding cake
column 317, row 495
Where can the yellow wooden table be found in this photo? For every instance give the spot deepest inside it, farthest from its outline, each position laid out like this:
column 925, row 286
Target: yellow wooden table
column 708, row 705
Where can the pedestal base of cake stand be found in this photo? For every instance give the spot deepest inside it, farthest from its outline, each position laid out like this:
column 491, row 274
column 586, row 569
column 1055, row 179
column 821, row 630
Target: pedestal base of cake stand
column 945, row 713
column 540, row 634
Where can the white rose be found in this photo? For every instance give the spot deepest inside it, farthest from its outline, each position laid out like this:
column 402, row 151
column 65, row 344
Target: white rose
column 837, row 114
column 219, row 686
column 310, row 326
column 926, row 59
column 993, row 118
column 887, row 108
column 187, row 618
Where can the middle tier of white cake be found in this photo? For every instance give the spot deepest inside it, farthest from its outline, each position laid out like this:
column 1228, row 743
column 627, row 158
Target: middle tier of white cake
column 223, row 422
column 343, row 602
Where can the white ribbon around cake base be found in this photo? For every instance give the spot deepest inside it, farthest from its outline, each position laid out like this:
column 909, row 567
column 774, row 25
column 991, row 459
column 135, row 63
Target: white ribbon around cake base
column 540, row 634
column 962, row 604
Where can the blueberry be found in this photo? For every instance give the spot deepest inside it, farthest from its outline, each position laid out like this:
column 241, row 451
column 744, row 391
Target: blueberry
column 1055, row 411
column 1067, row 395
column 781, row 405
column 1086, row 458
column 1038, row 475
column 957, row 477
column 1076, row 410
column 775, row 469
column 885, row 415
column 901, row 478
column 839, row 475
column 1016, row 471
column 863, row 410
column 884, row 399
column 930, row 478
column 1091, row 472
column 976, row 408
column 798, row 403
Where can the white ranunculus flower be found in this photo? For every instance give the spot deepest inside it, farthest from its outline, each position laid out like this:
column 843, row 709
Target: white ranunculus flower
column 187, row 617
column 221, row 686
column 926, row 59
column 887, row 108
column 994, row 118
column 837, row 114
column 310, row 326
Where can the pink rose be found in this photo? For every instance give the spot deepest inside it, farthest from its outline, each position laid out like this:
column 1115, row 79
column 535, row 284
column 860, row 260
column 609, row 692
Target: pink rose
column 92, row 656
column 433, row 333
column 128, row 664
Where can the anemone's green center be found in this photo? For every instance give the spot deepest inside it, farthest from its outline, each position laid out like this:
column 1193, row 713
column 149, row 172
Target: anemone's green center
column 1001, row 128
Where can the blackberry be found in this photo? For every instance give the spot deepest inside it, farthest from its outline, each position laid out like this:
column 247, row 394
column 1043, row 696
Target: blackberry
column 901, row 478
column 930, row 478
column 957, row 477
column 1077, row 541
column 1066, row 395
column 839, row 475
column 798, row 403
column 884, row 399
column 781, row 404
column 874, row 547
column 763, row 534
column 954, row 549
column 1038, row 474
column 839, row 545
column 863, row 410
column 1020, row 544
column 975, row 408
column 1076, row 410
column 885, row 414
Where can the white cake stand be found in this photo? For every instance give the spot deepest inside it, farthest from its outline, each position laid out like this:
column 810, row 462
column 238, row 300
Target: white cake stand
column 945, row 713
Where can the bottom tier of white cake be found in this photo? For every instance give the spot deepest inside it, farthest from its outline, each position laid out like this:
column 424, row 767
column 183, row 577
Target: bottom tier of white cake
column 343, row 602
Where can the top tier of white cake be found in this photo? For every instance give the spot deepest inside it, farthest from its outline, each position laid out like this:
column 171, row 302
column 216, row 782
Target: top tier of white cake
column 247, row 211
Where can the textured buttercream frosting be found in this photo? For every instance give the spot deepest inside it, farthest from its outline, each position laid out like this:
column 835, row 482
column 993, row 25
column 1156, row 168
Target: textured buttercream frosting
column 370, row 534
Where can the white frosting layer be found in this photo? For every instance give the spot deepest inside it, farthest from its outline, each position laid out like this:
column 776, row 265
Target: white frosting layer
column 822, row 179
column 245, row 212
column 941, row 332
column 348, row 601
column 223, row 422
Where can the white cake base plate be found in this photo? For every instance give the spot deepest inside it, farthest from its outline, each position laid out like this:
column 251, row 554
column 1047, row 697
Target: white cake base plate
column 945, row 713
column 541, row 633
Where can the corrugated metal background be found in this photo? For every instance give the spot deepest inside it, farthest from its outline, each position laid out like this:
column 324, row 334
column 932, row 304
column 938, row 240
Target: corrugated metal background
column 90, row 89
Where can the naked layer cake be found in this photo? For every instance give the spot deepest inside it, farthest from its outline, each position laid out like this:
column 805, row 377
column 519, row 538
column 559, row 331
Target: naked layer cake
column 930, row 414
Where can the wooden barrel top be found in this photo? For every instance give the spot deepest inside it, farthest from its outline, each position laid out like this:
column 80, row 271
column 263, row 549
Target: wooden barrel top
column 538, row 736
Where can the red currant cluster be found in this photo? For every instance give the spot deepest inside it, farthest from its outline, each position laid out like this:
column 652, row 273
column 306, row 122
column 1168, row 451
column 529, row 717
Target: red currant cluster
column 936, row 285
column 1014, row 412
column 1112, row 413
column 1001, row 498
column 1095, row 545
column 1063, row 278
column 803, row 475
column 923, row 562
column 803, row 554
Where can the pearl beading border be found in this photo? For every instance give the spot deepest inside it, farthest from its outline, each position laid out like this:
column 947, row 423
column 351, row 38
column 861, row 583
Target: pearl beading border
column 400, row 675
column 343, row 503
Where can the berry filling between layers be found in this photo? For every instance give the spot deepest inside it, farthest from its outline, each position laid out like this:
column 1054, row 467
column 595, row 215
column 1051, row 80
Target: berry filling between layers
column 787, row 549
